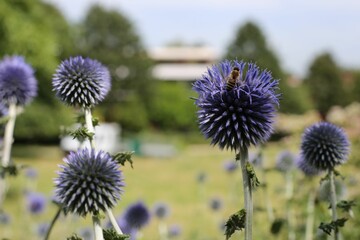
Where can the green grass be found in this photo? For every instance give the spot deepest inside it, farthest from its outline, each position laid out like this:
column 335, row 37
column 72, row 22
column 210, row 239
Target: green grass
column 171, row 180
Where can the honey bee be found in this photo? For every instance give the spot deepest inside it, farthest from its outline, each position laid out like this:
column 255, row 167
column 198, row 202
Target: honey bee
column 232, row 78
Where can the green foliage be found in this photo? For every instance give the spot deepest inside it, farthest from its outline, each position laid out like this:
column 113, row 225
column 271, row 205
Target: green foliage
column 74, row 237
column 109, row 37
column 236, row 222
column 254, row 181
column 324, row 84
column 170, row 108
column 333, row 225
column 250, row 45
column 346, row 205
column 277, row 225
column 110, row 234
column 82, row 133
column 41, row 122
column 124, row 157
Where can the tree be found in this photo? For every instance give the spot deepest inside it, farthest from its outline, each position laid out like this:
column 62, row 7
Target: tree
column 250, row 45
column 37, row 31
column 324, row 83
column 109, row 37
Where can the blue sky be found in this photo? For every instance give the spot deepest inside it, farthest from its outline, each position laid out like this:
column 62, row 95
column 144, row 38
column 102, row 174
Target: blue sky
column 296, row 30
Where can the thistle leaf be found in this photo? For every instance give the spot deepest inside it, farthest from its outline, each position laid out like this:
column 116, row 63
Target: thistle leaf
column 277, row 225
column 236, row 222
column 254, row 181
column 123, row 157
column 328, row 227
column 74, row 237
column 111, row 234
column 346, row 205
column 81, row 134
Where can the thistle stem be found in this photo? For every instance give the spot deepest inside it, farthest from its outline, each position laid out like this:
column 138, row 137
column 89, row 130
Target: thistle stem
column 113, row 221
column 310, row 216
column 89, row 125
column 8, row 135
column 289, row 195
column 98, row 232
column 56, row 217
column 333, row 201
column 243, row 157
column 8, row 140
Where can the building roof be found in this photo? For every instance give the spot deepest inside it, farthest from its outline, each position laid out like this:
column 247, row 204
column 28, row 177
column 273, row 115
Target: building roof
column 183, row 53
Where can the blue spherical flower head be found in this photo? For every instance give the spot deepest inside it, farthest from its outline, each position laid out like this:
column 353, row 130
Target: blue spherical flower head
column 324, row 146
column 230, row 166
column 215, row 204
column 137, row 215
column 17, row 81
column 35, row 202
column 161, row 210
column 285, row 161
column 81, row 82
column 90, row 181
column 236, row 117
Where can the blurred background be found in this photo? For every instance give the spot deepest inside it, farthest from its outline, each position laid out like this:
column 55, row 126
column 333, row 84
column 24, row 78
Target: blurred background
column 155, row 50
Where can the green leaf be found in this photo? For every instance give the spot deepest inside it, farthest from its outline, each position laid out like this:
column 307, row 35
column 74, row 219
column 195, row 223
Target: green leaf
column 236, row 222
column 346, row 205
column 123, row 157
column 81, row 134
column 328, row 227
column 254, row 181
column 74, row 237
column 111, row 234
column 11, row 170
column 80, row 118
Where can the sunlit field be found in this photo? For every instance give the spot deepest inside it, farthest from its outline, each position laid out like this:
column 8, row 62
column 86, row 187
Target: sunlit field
column 174, row 180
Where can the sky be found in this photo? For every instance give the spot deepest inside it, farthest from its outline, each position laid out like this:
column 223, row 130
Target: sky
column 296, row 30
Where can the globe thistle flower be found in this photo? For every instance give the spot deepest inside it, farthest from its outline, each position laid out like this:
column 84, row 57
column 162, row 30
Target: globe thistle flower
column 285, row 161
column 90, row 181
column 35, row 202
column 256, row 159
column 238, row 117
column 324, row 146
column 81, row 82
column 126, row 228
column 307, row 169
column 161, row 210
column 4, row 218
column 31, row 173
column 324, row 191
column 42, row 229
column 174, row 230
column 215, row 204
column 137, row 215
column 230, row 166
column 201, row 177
column 86, row 233
column 3, row 110
column 17, row 81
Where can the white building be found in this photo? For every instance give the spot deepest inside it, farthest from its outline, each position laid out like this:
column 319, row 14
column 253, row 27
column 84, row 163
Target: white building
column 181, row 63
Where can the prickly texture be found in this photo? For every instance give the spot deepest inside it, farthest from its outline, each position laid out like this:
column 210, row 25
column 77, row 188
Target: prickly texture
column 324, row 146
column 240, row 117
column 17, row 81
column 137, row 215
column 90, row 181
column 81, row 82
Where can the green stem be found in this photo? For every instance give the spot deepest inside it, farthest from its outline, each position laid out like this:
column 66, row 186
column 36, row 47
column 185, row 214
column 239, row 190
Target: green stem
column 113, row 221
column 8, row 140
column 289, row 195
column 56, row 217
column 310, row 216
column 98, row 232
column 333, row 201
column 89, row 125
column 244, row 155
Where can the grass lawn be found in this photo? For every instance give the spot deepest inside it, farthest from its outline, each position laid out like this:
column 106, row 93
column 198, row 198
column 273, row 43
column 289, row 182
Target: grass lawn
column 170, row 180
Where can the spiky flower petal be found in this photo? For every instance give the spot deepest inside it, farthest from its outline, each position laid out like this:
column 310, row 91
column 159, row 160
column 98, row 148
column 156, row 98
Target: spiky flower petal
column 90, row 181
column 324, row 146
column 240, row 116
column 137, row 215
column 81, row 82
column 17, row 81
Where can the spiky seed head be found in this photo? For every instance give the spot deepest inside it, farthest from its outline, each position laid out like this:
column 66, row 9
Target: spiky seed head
column 81, row 82
column 307, row 169
column 17, row 81
column 324, row 146
column 90, row 181
column 239, row 117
